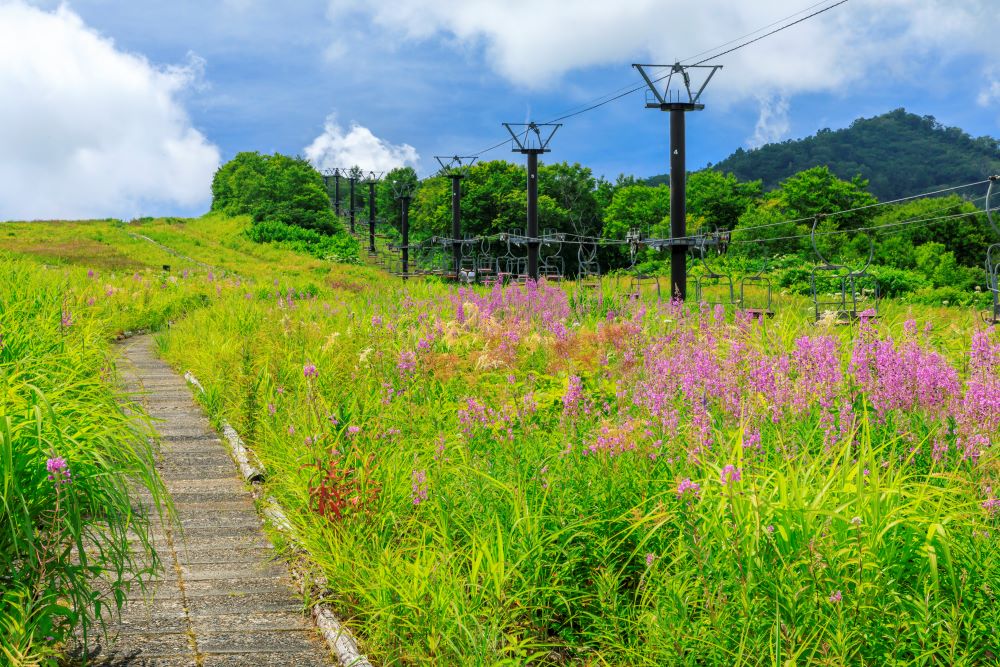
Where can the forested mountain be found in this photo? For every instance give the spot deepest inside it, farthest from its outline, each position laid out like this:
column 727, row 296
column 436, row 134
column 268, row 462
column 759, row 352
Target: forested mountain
column 899, row 153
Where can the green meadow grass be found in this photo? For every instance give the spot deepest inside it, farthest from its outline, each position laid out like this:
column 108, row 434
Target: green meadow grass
column 458, row 532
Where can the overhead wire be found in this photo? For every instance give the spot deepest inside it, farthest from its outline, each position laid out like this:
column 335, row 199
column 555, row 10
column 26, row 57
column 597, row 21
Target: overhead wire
column 616, row 95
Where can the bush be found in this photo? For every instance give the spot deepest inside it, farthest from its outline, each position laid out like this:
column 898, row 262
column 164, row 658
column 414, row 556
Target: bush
column 274, row 188
column 338, row 248
column 896, row 282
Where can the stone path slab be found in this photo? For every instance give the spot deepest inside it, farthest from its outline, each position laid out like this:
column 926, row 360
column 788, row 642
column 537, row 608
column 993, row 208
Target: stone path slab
column 223, row 600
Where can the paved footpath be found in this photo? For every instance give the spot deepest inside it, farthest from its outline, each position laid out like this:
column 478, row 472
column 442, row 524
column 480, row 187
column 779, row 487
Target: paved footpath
column 222, row 599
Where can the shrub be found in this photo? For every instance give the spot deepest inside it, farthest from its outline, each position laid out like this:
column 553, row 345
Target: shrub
column 338, row 248
column 273, row 188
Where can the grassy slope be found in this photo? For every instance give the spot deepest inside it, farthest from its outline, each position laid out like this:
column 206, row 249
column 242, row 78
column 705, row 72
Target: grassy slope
column 493, row 566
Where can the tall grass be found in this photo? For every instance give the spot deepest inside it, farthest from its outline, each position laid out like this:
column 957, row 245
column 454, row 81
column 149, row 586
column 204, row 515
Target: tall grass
column 500, row 478
column 76, row 461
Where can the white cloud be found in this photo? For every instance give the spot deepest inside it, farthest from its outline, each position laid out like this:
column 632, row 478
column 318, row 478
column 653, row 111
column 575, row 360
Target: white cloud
column 87, row 130
column 990, row 93
column 772, row 122
column 534, row 42
column 357, row 146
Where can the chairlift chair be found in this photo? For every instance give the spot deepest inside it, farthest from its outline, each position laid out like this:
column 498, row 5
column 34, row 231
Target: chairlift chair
column 486, row 263
column 992, row 316
column 639, row 282
column 992, row 264
column 467, row 270
column 756, row 307
column 552, row 266
column 857, row 292
column 711, row 281
column 588, row 269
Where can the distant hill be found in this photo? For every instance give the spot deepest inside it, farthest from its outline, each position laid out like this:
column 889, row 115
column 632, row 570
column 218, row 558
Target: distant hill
column 900, row 154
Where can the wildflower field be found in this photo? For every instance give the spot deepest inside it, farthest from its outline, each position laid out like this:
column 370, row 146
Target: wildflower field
column 527, row 475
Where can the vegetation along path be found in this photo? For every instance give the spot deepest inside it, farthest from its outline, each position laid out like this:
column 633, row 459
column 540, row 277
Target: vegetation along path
column 222, row 599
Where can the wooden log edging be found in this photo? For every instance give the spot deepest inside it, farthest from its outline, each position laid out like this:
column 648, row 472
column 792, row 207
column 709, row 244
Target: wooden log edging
column 338, row 637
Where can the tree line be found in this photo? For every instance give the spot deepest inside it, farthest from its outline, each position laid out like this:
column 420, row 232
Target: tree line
column 288, row 202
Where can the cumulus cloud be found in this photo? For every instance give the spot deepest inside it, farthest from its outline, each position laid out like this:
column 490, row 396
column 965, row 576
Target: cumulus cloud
column 87, row 130
column 990, row 93
column 533, row 43
column 357, row 146
column 772, row 122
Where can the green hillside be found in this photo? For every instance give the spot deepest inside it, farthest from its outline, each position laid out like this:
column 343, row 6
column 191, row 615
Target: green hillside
column 899, row 153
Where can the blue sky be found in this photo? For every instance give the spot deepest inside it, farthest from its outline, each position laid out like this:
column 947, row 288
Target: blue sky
column 142, row 100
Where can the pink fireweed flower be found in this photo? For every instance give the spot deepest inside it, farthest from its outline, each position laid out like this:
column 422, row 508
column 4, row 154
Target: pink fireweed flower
column 353, row 430
column 687, row 485
column 730, row 474
column 650, row 557
column 291, row 430
column 770, row 529
column 58, row 470
column 573, row 395
column 407, row 363
column 271, row 409
column 419, row 486
column 836, row 597
column 309, row 371
column 67, row 318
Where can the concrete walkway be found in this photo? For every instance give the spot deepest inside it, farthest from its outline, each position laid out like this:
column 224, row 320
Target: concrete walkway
column 222, row 600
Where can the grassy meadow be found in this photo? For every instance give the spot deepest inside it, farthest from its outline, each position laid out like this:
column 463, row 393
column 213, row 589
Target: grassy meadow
column 522, row 475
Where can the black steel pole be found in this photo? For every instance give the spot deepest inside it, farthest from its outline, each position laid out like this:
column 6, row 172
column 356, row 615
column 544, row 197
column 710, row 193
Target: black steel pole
column 371, row 216
column 532, row 230
column 456, row 222
column 352, row 204
column 678, row 209
column 336, row 191
column 405, row 225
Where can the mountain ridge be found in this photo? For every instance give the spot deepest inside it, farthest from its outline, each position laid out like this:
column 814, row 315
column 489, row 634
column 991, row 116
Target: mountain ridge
column 898, row 152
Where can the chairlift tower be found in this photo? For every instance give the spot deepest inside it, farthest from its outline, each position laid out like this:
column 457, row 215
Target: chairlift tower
column 334, row 174
column 455, row 168
column 372, row 180
column 678, row 102
column 353, row 209
column 532, row 141
column 336, row 191
column 403, row 191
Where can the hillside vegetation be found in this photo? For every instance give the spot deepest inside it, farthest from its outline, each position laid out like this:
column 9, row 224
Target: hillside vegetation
column 898, row 153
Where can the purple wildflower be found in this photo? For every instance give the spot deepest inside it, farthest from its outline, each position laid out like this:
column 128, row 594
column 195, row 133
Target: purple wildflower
column 309, row 371
column 58, row 470
column 687, row 485
column 730, row 474
column 419, row 486
column 836, row 597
